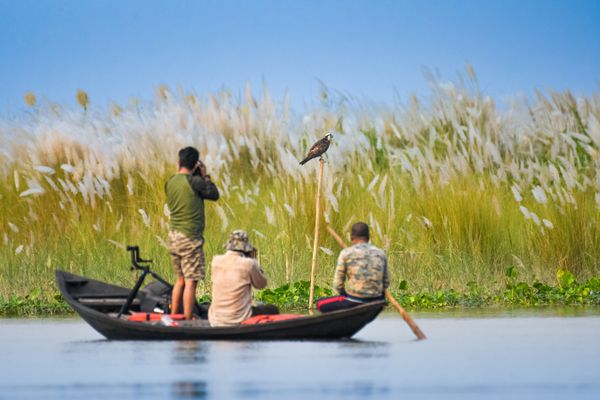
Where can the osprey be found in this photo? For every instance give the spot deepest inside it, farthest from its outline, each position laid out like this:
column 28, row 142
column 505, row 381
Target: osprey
column 318, row 149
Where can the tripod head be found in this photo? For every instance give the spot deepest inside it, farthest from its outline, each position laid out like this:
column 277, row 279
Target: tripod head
column 136, row 259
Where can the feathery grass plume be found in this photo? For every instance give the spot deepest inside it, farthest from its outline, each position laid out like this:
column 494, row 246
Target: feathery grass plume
column 30, row 99
column 191, row 98
column 270, row 215
column 162, row 92
column 453, row 157
column 115, row 109
column 326, row 250
column 426, row 222
column 117, row 244
column 162, row 242
column 548, row 224
column 18, row 181
column 145, row 217
column 539, row 195
column 82, row 99
column 526, row 213
column 32, row 191
column 223, row 217
column 118, row 224
column 259, row 234
column 44, row 169
column 289, row 210
column 68, row 168
column 535, row 218
column 516, row 193
column 51, row 183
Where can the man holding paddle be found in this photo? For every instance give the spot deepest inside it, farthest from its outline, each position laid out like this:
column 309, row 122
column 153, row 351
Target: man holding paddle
column 361, row 274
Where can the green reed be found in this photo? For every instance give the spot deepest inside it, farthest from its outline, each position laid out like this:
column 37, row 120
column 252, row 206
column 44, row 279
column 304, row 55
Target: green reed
column 454, row 189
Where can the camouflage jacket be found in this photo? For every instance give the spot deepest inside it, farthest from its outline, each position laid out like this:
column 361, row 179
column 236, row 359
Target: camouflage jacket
column 361, row 271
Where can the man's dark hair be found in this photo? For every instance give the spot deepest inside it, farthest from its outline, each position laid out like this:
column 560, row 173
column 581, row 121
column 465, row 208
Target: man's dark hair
column 360, row 230
column 188, row 157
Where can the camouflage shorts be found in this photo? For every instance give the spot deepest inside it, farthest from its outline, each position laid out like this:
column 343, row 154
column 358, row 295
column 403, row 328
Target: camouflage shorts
column 187, row 255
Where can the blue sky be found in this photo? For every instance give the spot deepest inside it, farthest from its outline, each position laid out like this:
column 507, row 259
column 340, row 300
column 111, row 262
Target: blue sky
column 372, row 49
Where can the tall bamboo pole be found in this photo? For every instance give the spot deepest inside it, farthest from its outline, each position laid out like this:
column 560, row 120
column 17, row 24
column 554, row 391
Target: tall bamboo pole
column 413, row 326
column 316, row 240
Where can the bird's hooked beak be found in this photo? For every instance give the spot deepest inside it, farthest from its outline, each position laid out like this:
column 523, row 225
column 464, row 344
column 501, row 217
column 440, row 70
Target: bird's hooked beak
column 329, row 136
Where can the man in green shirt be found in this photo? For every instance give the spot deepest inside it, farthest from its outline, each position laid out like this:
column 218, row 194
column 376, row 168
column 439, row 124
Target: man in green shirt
column 186, row 192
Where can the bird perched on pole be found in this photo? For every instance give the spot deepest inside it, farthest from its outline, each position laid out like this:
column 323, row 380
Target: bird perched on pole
column 318, row 149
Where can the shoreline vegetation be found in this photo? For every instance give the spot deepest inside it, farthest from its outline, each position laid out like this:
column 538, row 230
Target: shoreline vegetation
column 294, row 296
column 456, row 190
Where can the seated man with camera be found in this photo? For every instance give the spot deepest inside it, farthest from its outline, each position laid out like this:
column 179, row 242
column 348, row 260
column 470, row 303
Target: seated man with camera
column 233, row 276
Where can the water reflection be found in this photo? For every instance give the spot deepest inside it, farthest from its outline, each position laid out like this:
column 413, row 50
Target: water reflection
column 354, row 390
column 358, row 349
column 244, row 351
column 108, row 390
column 464, row 358
column 189, row 390
column 190, row 352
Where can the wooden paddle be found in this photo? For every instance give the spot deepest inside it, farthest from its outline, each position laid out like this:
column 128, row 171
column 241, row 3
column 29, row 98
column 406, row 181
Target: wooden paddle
column 413, row 326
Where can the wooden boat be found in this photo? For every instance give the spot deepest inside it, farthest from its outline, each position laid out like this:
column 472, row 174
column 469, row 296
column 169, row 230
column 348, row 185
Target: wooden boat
column 98, row 303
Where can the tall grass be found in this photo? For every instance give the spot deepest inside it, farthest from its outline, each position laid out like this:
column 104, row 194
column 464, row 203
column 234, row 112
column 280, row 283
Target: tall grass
column 454, row 188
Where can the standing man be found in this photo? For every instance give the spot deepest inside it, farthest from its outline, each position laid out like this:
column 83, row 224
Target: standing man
column 361, row 273
column 186, row 192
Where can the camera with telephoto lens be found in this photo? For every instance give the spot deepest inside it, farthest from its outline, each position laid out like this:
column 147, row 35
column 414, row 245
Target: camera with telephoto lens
column 197, row 170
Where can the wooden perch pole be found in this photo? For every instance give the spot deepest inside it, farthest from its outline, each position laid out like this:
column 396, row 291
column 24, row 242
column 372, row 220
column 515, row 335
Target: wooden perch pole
column 413, row 326
column 316, row 240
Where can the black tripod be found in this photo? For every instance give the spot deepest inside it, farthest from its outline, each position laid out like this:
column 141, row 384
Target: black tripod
column 135, row 260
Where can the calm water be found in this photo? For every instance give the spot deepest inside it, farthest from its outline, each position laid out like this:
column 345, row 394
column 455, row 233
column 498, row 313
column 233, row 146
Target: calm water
column 469, row 355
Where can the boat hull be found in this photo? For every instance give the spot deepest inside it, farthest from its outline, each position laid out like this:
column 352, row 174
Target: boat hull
column 334, row 325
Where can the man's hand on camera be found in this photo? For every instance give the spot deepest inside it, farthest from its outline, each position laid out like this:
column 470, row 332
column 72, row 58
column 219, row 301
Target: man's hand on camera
column 202, row 169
